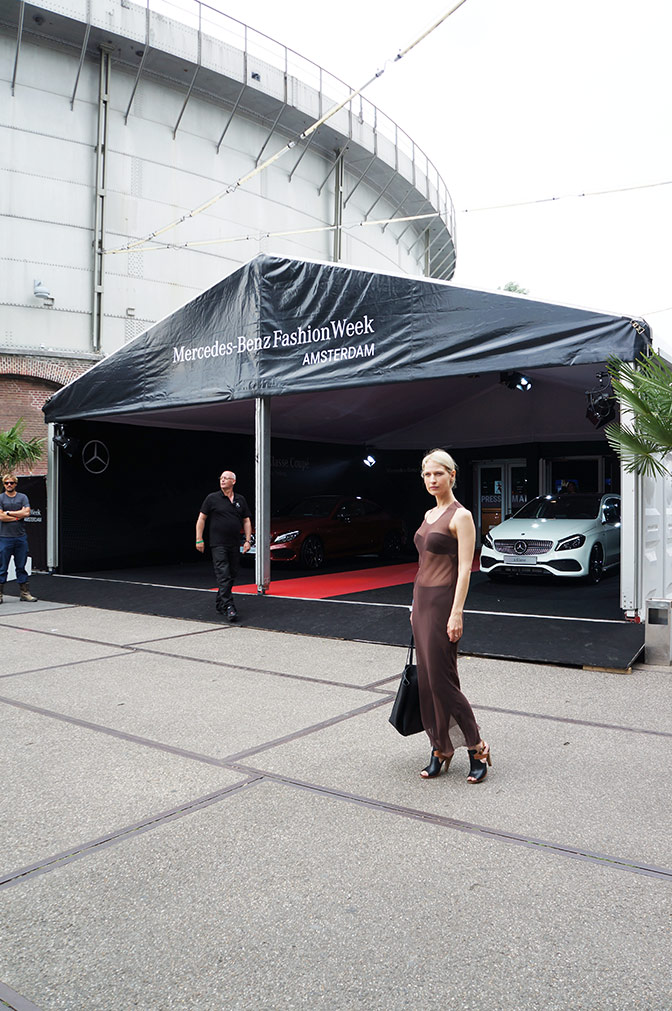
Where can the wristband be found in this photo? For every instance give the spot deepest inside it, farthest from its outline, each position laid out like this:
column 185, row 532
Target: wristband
column 199, row 542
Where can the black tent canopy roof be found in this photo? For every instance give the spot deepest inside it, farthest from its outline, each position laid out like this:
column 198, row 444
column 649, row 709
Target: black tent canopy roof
column 353, row 355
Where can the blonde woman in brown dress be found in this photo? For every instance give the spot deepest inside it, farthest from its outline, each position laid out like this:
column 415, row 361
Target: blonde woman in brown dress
column 445, row 544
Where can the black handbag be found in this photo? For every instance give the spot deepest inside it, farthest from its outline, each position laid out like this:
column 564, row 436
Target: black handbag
column 405, row 716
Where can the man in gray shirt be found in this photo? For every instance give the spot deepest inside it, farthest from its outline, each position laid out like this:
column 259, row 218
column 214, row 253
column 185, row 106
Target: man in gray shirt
column 14, row 507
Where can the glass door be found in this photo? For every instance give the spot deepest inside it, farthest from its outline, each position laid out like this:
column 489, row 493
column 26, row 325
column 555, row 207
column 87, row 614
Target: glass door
column 517, row 473
column 490, row 482
column 578, row 473
column 501, row 489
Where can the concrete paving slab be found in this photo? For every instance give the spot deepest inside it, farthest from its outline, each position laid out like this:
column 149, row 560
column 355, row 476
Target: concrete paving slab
column 12, row 605
column 640, row 699
column 26, row 650
column 282, row 899
column 108, row 626
column 574, row 786
column 63, row 785
column 346, row 662
column 186, row 703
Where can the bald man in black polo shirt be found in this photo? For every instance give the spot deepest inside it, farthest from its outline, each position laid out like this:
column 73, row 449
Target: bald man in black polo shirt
column 228, row 512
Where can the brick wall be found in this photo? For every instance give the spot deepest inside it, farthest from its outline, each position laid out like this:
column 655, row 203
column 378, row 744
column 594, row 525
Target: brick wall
column 26, row 382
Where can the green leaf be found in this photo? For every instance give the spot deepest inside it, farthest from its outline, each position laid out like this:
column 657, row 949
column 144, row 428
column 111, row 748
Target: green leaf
column 15, row 451
column 644, row 388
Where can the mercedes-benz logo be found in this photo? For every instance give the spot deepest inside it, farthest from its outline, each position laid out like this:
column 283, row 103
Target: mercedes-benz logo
column 96, row 457
column 520, row 547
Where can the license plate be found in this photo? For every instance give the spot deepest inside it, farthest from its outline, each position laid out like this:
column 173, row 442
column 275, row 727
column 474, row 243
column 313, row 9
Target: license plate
column 520, row 559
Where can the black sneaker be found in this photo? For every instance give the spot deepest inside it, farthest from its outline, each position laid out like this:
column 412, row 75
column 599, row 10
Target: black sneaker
column 231, row 613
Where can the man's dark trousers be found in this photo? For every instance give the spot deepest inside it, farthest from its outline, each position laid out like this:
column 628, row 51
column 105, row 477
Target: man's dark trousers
column 226, row 562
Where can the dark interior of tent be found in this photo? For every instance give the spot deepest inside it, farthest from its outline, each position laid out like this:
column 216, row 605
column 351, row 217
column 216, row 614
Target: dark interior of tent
column 145, row 502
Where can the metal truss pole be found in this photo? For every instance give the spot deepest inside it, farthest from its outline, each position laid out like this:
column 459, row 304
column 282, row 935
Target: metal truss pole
column 53, row 481
column 339, row 185
column 101, row 181
column 262, row 488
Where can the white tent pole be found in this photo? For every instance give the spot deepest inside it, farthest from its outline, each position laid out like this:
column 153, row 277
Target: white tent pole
column 262, row 487
column 53, row 475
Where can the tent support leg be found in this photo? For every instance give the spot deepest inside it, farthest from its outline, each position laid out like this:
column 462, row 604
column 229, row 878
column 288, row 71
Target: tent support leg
column 262, row 488
column 53, row 498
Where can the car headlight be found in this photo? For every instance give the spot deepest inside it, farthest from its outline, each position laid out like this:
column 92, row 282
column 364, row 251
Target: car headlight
column 289, row 536
column 571, row 543
column 489, row 541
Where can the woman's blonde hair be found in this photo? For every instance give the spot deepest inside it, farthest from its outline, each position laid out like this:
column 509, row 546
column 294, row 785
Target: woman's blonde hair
column 442, row 458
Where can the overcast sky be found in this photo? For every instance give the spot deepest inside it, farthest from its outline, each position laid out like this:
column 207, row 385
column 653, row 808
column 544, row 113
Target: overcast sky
column 517, row 101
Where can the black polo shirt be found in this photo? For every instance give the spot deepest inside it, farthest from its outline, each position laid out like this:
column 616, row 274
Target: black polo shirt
column 226, row 518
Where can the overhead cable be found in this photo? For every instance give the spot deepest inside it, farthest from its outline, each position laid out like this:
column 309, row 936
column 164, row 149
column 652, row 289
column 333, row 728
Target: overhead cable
column 257, row 236
column 564, row 196
column 421, row 38
column 232, row 187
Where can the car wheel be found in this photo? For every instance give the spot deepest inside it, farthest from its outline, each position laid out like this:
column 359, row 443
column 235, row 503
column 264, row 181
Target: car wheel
column 596, row 564
column 391, row 544
column 312, row 553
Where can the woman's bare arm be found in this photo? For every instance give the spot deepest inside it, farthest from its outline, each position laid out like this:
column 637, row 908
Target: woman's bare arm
column 463, row 528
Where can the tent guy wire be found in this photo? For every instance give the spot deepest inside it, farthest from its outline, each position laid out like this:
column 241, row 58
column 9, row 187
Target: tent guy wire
column 232, row 187
column 156, row 246
column 566, row 196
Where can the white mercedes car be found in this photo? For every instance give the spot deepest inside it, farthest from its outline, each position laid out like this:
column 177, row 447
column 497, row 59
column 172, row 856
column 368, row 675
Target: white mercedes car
column 569, row 535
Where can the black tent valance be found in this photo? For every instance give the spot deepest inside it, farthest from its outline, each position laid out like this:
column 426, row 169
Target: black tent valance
column 279, row 326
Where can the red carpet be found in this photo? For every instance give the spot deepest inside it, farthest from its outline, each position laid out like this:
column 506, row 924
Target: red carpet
column 338, row 583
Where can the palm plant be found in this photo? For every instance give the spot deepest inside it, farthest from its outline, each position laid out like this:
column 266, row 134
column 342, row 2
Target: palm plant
column 15, row 451
column 644, row 389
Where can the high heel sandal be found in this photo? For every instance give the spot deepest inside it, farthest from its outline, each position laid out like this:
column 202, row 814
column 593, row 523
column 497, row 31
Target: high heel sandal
column 479, row 760
column 435, row 765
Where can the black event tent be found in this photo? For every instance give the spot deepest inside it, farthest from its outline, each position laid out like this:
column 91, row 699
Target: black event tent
column 326, row 353
column 348, row 354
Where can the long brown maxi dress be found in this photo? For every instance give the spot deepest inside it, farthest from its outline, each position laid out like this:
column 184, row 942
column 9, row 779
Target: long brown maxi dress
column 446, row 714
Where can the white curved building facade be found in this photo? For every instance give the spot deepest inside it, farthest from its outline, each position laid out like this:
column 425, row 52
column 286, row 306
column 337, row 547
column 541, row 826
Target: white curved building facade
column 119, row 120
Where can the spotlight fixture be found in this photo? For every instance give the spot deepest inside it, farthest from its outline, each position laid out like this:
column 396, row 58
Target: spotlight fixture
column 601, row 407
column 369, row 461
column 516, row 381
column 65, row 443
column 40, row 290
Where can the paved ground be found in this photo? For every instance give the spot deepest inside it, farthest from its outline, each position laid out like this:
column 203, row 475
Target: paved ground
column 200, row 816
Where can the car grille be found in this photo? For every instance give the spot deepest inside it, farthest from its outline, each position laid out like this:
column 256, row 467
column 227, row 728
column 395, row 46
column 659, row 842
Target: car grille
column 531, row 547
